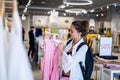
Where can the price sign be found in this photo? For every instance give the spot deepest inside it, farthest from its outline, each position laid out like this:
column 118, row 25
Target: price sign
column 105, row 46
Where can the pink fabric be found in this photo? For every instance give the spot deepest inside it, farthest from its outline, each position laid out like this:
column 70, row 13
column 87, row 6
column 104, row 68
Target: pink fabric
column 42, row 61
column 112, row 66
column 55, row 71
column 50, row 61
column 64, row 78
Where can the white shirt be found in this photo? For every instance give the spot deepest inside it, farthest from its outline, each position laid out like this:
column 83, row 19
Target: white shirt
column 71, row 62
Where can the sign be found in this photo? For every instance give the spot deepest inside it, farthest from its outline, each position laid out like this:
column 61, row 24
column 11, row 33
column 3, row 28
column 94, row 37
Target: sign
column 105, row 46
column 92, row 22
column 53, row 20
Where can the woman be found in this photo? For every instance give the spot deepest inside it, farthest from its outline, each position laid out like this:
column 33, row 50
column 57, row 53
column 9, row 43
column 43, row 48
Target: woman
column 71, row 58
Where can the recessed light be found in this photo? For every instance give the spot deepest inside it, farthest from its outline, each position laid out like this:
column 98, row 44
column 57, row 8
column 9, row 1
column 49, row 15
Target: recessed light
column 115, row 5
column 101, row 14
column 62, row 6
column 92, row 10
column 97, row 15
column 101, row 8
column 43, row 2
column 64, row 14
column 107, row 7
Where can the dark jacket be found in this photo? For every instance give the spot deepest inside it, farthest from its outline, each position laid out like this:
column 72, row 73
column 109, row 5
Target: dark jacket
column 31, row 37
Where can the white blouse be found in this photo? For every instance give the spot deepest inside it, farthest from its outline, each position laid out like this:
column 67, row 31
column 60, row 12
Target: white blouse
column 71, row 62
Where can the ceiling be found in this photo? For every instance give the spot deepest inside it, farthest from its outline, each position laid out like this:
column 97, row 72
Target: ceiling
column 43, row 6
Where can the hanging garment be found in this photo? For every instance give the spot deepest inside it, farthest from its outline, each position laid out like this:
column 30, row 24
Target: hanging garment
column 55, row 70
column 19, row 68
column 40, row 45
column 40, row 50
column 3, row 73
column 7, row 45
column 64, row 78
column 50, row 61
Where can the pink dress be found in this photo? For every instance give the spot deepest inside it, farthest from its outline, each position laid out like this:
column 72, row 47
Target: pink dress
column 64, row 78
column 50, row 61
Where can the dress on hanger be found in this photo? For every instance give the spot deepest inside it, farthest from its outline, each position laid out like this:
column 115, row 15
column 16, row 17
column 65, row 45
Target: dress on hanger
column 50, row 61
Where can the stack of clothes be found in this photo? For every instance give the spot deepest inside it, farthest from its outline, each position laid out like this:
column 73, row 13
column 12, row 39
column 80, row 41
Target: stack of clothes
column 99, row 60
column 112, row 66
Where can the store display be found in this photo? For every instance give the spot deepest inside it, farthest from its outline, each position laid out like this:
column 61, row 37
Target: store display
column 99, row 60
column 52, row 22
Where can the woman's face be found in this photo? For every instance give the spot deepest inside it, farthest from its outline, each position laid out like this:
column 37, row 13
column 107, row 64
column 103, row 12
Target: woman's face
column 73, row 32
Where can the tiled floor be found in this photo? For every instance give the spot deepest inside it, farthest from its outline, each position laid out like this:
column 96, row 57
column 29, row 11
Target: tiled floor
column 37, row 72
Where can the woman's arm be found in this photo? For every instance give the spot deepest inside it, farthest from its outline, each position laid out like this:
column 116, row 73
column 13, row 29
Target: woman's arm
column 76, row 58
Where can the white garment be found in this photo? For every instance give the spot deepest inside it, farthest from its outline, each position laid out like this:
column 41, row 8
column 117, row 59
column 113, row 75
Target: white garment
column 71, row 62
column 40, row 45
column 3, row 73
column 19, row 68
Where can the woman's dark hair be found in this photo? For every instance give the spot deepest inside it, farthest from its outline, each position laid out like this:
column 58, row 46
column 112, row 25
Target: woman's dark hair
column 81, row 26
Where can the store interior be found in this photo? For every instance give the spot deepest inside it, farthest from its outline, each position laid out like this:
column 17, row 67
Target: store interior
column 100, row 14
column 56, row 16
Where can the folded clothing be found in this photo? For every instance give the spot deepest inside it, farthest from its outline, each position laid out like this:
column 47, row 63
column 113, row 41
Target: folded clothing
column 112, row 66
column 107, row 57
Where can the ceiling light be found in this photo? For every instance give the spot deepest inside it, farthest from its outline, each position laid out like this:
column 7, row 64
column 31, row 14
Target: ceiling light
column 26, row 8
column 23, row 17
column 115, row 5
column 64, row 14
column 67, row 4
column 28, row 4
column 43, row 2
column 25, row 11
column 92, row 10
column 107, row 7
column 62, row 6
column 101, row 14
column 101, row 8
column 78, row 2
column 48, row 12
column 97, row 15
column 76, row 11
column 53, row 10
column 29, row 1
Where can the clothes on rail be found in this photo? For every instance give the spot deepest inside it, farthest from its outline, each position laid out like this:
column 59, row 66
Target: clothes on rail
column 50, row 60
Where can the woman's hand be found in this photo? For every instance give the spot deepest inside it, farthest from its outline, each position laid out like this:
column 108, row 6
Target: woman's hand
column 61, row 47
